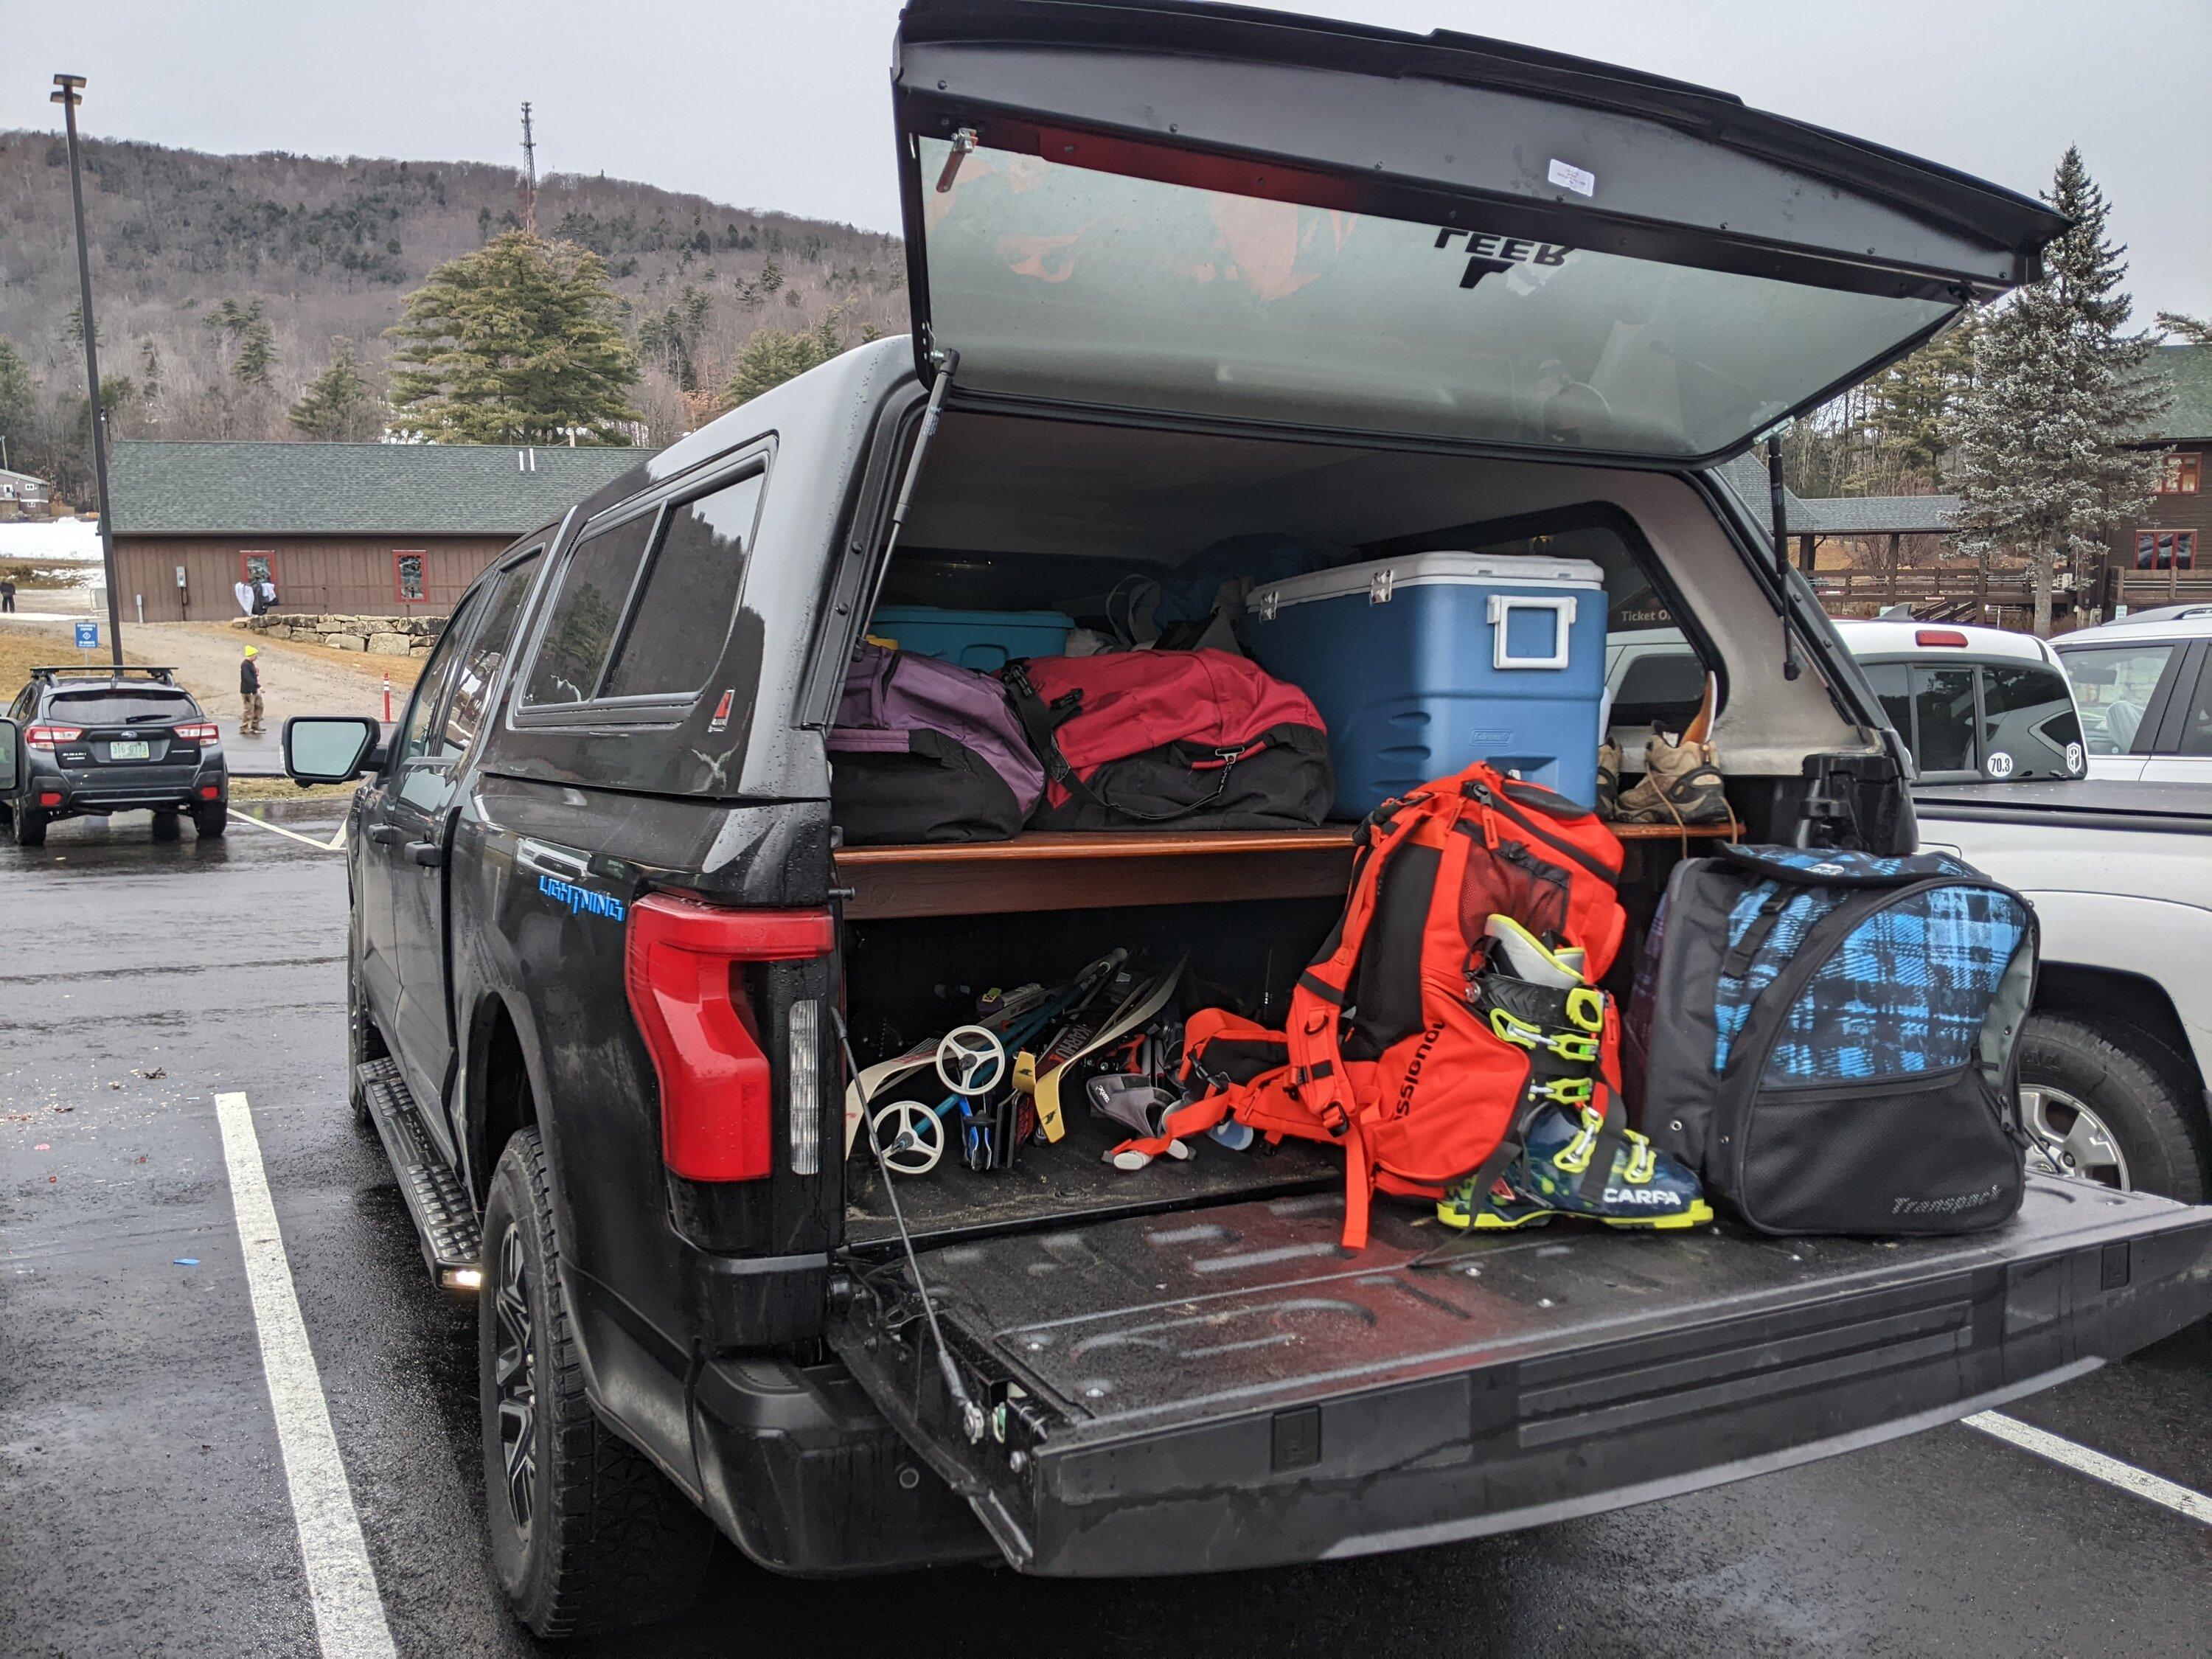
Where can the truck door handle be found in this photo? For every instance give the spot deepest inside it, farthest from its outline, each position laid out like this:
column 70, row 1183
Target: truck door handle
column 428, row 854
column 385, row 835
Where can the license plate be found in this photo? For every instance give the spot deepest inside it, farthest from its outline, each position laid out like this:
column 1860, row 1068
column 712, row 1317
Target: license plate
column 131, row 751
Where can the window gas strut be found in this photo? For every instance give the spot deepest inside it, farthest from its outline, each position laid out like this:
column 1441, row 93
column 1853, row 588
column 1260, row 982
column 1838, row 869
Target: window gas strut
column 971, row 1414
column 947, row 362
column 1781, row 556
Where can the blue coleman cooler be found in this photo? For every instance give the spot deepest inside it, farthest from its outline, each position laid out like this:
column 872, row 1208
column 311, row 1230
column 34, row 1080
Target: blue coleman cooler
column 1423, row 664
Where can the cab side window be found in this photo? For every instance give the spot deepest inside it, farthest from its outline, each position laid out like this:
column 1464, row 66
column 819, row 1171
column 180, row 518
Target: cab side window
column 486, row 653
column 2197, row 715
column 415, row 742
column 2114, row 685
column 682, row 617
column 595, row 588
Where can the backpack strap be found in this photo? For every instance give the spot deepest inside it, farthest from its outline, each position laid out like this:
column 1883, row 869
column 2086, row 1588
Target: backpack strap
column 1317, row 1001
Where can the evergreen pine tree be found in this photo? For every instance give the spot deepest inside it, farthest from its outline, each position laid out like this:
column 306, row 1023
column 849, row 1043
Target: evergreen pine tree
column 256, row 346
column 773, row 356
column 516, row 342
column 339, row 405
column 2044, row 465
column 1911, row 411
column 2193, row 330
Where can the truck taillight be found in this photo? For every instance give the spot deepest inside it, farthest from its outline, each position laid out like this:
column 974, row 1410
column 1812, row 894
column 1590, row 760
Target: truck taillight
column 49, row 737
column 196, row 732
column 717, row 1112
column 1940, row 636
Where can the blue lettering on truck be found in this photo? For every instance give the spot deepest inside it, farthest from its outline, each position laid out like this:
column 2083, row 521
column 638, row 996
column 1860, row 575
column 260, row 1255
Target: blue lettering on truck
column 580, row 900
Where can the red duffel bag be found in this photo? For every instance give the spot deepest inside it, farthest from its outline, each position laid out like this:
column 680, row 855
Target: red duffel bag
column 1198, row 739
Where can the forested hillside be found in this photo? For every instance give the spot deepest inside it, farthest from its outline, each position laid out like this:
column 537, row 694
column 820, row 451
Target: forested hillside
column 223, row 282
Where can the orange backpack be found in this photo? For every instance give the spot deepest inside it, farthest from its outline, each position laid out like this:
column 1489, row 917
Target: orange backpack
column 1383, row 1053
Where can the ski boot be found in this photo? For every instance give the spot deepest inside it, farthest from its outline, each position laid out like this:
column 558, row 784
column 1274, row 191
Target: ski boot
column 1536, row 999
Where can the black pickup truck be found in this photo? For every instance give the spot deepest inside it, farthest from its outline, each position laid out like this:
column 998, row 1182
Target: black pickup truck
column 1177, row 273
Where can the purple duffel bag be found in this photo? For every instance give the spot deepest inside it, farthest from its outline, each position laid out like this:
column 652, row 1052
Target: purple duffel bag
column 923, row 750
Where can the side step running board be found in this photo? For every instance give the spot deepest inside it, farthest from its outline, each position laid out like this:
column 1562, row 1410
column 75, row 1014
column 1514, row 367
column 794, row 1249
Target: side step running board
column 444, row 1220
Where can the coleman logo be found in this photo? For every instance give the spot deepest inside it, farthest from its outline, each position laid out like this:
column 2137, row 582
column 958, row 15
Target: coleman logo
column 1489, row 256
column 1950, row 1206
column 1412, row 1079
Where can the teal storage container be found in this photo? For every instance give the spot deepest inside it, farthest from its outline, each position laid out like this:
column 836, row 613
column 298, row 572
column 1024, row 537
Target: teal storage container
column 985, row 640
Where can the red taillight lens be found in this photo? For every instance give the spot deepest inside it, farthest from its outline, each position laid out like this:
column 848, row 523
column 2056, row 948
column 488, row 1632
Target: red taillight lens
column 196, row 732
column 210, row 790
column 1940, row 636
column 50, row 798
column 717, row 1119
column 47, row 737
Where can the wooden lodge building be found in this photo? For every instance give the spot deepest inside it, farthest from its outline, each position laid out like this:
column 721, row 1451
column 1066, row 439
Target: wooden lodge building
column 341, row 529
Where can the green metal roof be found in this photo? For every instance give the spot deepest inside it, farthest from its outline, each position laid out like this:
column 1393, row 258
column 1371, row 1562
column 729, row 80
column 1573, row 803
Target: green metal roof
column 362, row 489
column 1839, row 515
column 2190, row 369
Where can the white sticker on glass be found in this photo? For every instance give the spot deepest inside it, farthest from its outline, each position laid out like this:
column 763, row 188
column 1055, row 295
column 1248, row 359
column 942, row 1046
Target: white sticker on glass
column 1999, row 764
column 1568, row 176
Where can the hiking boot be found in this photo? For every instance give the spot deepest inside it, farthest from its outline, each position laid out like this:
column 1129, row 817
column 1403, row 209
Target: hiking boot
column 1608, row 780
column 1681, row 785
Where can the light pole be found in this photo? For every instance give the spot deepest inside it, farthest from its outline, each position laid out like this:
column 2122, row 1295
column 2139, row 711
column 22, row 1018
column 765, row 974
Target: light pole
column 69, row 93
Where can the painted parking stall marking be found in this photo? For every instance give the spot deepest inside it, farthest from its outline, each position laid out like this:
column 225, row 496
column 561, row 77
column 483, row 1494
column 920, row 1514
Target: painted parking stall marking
column 350, row 1622
column 2181, row 1499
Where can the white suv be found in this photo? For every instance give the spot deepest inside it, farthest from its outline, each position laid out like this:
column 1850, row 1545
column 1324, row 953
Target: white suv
column 2144, row 687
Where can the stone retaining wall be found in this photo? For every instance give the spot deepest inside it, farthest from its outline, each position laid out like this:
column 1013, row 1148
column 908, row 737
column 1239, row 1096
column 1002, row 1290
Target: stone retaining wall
column 383, row 636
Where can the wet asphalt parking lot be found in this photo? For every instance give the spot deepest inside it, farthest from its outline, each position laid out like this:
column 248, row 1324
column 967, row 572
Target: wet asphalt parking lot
column 144, row 1502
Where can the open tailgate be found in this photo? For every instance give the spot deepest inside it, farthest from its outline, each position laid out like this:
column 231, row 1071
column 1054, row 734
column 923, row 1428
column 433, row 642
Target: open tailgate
column 1227, row 1388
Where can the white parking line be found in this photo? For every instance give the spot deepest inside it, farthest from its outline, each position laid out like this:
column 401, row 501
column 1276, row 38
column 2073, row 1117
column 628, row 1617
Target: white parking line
column 2094, row 1464
column 330, row 845
column 350, row 1622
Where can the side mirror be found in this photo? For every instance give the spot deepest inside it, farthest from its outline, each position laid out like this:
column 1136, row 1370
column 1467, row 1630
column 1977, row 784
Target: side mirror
column 329, row 748
column 7, row 768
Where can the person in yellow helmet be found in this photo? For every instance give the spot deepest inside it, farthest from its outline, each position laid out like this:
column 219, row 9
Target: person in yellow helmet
column 249, row 693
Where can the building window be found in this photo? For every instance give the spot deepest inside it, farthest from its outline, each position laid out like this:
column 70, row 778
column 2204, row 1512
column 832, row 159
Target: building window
column 2183, row 471
column 407, row 576
column 2165, row 549
column 257, row 565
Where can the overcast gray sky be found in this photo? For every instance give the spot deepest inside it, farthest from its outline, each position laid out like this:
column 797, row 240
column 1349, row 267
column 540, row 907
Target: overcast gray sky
column 781, row 103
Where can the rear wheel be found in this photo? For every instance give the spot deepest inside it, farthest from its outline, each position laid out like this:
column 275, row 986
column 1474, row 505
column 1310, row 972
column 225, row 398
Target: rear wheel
column 166, row 827
column 211, row 818
column 586, row 1534
column 30, row 827
column 2102, row 1107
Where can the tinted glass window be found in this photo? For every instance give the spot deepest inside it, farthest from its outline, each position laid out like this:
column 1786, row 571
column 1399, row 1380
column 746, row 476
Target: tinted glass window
column 416, row 741
column 674, row 637
column 582, row 628
column 2196, row 717
column 1943, row 708
column 480, row 665
column 2112, row 686
column 120, row 707
column 408, row 567
column 1892, row 683
column 1056, row 281
column 2027, row 719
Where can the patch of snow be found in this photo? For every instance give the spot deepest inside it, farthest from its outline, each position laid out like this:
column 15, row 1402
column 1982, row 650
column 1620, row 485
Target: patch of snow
column 51, row 541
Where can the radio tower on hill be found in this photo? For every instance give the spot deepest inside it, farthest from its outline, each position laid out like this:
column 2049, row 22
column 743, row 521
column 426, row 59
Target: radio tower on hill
column 529, row 174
